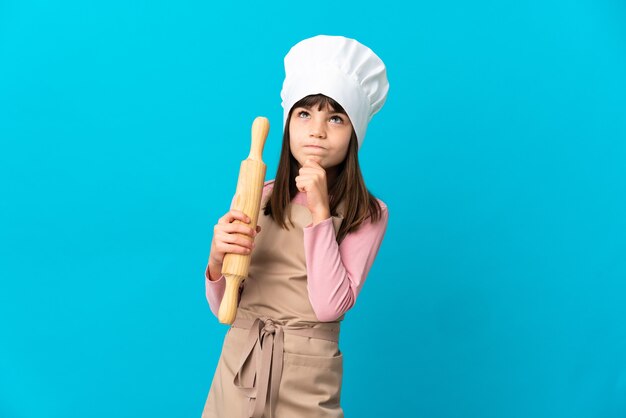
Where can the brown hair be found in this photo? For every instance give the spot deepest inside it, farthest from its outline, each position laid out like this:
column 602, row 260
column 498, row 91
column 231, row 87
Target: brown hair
column 349, row 185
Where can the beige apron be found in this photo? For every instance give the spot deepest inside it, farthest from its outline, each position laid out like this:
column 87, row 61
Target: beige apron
column 278, row 360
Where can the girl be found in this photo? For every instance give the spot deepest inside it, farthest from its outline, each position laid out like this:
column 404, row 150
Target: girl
column 281, row 358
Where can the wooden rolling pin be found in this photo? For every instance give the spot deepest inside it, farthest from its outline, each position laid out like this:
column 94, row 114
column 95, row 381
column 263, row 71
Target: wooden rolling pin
column 248, row 200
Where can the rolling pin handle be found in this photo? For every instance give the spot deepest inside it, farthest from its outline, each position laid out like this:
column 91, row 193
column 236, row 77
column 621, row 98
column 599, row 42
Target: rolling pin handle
column 260, row 128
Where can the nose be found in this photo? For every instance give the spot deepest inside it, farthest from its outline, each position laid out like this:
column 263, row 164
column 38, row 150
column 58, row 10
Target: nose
column 317, row 128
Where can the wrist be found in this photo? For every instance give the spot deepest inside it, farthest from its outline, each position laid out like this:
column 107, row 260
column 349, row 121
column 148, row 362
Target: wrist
column 215, row 270
column 320, row 216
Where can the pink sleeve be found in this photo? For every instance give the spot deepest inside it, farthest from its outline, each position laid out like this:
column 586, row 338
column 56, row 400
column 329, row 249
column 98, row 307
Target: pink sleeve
column 215, row 289
column 336, row 273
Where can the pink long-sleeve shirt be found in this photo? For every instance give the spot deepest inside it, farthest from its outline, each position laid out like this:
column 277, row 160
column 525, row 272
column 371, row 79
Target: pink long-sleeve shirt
column 335, row 273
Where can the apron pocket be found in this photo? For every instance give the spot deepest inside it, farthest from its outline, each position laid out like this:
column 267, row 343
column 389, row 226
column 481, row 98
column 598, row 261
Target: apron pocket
column 312, row 384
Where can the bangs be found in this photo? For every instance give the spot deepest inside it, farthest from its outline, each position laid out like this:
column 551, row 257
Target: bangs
column 321, row 101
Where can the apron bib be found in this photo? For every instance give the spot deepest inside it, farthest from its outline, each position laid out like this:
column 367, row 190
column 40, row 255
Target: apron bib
column 278, row 360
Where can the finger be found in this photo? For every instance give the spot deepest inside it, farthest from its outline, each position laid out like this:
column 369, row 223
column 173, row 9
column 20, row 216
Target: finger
column 308, row 176
column 237, row 228
column 235, row 214
column 308, row 171
column 306, row 182
column 244, row 242
column 312, row 171
column 235, row 249
column 241, row 216
column 313, row 162
column 235, row 239
column 227, row 218
column 243, row 250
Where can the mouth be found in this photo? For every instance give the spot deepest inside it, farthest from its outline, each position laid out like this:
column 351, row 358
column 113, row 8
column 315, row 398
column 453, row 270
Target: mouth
column 313, row 146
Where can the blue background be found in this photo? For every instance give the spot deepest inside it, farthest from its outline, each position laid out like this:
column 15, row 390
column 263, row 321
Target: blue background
column 500, row 287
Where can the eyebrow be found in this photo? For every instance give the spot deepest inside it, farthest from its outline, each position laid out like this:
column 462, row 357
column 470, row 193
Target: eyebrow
column 332, row 111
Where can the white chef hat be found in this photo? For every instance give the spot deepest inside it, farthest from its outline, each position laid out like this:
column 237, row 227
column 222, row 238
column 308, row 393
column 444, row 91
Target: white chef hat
column 340, row 68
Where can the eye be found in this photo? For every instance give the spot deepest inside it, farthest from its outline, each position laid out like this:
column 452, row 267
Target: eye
column 303, row 114
column 336, row 119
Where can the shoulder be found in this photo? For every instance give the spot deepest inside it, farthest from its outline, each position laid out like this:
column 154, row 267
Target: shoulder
column 384, row 211
column 268, row 185
column 367, row 231
column 381, row 222
column 382, row 204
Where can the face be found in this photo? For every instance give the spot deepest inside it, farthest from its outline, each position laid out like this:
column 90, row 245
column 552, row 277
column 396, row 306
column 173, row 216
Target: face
column 323, row 135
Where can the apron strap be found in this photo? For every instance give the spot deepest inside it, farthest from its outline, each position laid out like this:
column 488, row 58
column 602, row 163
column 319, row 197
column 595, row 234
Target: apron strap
column 261, row 364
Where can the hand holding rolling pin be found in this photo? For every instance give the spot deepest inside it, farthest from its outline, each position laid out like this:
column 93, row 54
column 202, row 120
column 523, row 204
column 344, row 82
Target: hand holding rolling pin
column 227, row 238
column 237, row 227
